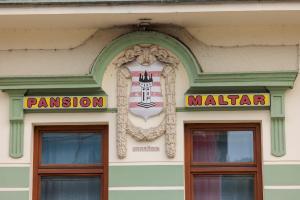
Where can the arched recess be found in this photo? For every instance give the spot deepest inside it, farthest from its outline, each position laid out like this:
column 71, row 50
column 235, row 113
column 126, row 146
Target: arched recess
column 118, row 45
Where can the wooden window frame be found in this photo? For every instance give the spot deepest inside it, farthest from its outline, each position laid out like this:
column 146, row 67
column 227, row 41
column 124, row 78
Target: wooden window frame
column 100, row 170
column 218, row 168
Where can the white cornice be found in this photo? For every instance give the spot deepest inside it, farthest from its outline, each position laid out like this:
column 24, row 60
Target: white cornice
column 103, row 16
column 98, row 9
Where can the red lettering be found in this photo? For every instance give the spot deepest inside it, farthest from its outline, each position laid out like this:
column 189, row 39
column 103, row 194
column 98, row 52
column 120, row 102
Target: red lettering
column 233, row 99
column 245, row 100
column 85, row 102
column 222, row 101
column 195, row 100
column 54, row 102
column 43, row 103
column 31, row 102
column 66, row 102
column 210, row 100
column 97, row 102
column 259, row 99
column 75, row 102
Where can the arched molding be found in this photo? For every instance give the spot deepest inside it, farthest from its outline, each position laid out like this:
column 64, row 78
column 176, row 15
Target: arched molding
column 118, row 45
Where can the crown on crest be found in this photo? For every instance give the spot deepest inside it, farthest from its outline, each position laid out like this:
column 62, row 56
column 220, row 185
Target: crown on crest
column 145, row 78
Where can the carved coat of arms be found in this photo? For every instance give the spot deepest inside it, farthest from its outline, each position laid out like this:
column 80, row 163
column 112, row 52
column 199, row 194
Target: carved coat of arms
column 145, row 98
column 142, row 67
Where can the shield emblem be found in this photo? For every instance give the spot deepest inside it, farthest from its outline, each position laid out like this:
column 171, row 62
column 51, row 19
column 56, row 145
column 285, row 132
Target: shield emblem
column 145, row 98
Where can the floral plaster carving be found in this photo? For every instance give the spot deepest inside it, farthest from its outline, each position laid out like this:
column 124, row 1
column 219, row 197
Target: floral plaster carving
column 146, row 55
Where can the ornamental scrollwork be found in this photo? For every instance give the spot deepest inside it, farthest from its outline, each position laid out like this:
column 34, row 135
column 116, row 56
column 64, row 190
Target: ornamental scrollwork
column 146, row 56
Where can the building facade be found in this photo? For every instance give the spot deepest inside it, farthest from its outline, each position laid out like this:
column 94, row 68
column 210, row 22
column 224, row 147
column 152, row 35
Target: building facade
column 161, row 100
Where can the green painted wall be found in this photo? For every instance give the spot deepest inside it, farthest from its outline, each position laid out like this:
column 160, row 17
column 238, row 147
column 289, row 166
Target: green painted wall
column 281, row 175
column 146, row 175
column 20, row 195
column 147, row 195
column 14, row 177
column 281, row 194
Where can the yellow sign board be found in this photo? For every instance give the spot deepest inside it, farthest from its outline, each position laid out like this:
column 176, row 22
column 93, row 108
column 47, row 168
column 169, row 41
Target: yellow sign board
column 64, row 102
column 228, row 100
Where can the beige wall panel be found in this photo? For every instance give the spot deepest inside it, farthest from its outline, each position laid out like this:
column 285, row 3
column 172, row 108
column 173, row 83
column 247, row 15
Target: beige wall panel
column 109, row 84
column 80, row 59
column 246, row 59
column 276, row 35
column 56, row 62
column 43, row 38
column 239, row 52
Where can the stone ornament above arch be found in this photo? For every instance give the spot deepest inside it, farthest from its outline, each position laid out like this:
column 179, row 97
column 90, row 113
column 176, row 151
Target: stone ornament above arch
column 167, row 42
column 146, row 57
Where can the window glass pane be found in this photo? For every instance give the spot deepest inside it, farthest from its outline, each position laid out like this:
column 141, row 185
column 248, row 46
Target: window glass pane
column 223, row 187
column 71, row 148
column 70, row 188
column 223, row 146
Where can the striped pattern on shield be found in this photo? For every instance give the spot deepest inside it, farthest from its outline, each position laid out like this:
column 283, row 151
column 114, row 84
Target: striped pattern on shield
column 145, row 99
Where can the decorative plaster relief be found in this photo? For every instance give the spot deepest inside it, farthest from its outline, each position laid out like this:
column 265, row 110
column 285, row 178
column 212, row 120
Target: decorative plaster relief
column 146, row 55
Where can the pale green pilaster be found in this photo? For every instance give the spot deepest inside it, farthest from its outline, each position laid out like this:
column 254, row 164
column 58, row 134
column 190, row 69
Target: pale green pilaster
column 277, row 121
column 16, row 118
